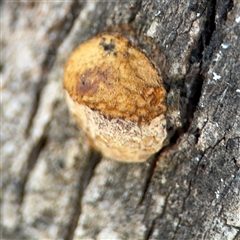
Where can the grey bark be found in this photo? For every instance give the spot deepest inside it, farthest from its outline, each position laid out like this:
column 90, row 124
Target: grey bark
column 55, row 187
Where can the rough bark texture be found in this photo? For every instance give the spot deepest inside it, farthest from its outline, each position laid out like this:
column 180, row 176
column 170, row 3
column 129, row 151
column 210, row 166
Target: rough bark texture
column 55, row 187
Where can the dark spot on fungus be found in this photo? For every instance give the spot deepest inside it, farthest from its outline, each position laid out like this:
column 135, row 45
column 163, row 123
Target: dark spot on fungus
column 83, row 80
column 107, row 46
column 129, row 44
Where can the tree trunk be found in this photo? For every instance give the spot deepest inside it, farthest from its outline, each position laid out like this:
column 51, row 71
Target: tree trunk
column 55, row 187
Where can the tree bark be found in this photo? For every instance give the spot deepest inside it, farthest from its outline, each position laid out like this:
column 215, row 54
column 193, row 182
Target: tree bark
column 55, row 187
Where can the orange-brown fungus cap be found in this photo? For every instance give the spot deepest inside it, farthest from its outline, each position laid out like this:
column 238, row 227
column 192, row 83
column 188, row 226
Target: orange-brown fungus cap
column 109, row 75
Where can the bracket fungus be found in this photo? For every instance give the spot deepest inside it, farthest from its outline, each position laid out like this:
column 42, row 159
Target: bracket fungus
column 117, row 97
